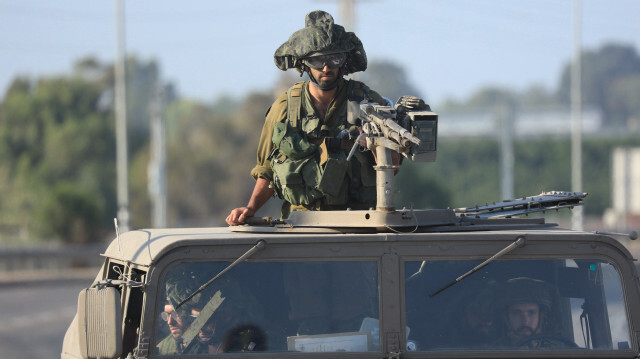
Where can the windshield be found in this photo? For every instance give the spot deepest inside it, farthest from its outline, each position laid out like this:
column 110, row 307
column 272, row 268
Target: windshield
column 269, row 307
column 515, row 304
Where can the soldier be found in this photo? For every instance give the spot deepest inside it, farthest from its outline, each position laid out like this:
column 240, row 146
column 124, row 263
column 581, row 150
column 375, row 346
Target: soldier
column 474, row 323
column 527, row 314
column 239, row 307
column 178, row 323
column 306, row 136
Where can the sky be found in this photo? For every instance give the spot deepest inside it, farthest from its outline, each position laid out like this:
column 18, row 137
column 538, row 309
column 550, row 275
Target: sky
column 210, row 48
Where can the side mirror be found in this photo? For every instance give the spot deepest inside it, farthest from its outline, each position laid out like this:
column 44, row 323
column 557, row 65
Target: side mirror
column 99, row 322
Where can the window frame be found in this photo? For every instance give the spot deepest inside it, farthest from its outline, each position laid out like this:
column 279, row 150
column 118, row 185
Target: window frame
column 391, row 251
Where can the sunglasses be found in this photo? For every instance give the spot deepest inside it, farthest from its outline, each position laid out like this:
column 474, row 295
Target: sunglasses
column 319, row 62
column 173, row 315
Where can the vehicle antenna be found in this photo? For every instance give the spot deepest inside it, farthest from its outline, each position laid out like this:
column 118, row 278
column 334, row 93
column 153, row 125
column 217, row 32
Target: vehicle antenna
column 115, row 223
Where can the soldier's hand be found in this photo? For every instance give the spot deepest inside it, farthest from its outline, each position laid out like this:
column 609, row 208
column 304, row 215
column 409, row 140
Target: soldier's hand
column 412, row 103
column 238, row 215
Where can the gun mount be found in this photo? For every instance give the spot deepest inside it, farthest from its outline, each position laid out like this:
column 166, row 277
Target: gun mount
column 409, row 128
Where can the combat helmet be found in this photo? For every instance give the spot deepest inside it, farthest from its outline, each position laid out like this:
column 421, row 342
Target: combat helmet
column 527, row 290
column 321, row 36
column 179, row 289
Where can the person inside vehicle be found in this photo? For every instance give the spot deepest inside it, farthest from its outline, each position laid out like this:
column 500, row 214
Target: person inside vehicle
column 178, row 323
column 306, row 136
column 179, row 286
column 207, row 334
column 474, row 324
column 527, row 314
column 237, row 307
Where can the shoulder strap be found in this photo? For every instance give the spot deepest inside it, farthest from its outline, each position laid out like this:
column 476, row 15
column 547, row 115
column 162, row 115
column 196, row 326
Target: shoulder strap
column 294, row 103
column 357, row 91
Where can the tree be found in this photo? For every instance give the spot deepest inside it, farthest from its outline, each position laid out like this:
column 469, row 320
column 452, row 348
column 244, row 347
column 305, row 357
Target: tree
column 60, row 131
column 52, row 131
column 602, row 73
column 388, row 79
column 211, row 150
column 69, row 212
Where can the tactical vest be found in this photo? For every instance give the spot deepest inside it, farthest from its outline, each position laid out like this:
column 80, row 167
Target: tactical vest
column 305, row 170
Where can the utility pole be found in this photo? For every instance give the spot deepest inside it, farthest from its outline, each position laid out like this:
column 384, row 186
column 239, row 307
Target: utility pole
column 121, row 121
column 506, row 119
column 576, row 113
column 348, row 15
column 157, row 170
column 347, row 10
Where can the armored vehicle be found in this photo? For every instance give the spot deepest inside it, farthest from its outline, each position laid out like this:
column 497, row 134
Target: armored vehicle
column 477, row 282
column 437, row 288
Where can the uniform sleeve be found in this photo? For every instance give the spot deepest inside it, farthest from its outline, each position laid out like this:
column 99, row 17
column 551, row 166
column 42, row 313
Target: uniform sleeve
column 277, row 112
column 375, row 97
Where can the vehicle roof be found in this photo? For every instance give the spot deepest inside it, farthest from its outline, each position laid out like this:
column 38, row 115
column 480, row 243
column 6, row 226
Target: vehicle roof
column 144, row 246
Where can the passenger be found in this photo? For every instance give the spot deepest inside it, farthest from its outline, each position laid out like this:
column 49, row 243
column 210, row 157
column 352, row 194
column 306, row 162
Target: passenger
column 207, row 334
column 245, row 338
column 306, row 133
column 474, row 318
column 527, row 314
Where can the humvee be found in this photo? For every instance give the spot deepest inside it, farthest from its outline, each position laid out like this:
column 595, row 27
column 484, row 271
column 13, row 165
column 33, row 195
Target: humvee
column 378, row 290
column 379, row 283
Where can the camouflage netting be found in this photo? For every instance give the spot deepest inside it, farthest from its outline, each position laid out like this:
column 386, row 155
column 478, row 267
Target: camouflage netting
column 321, row 36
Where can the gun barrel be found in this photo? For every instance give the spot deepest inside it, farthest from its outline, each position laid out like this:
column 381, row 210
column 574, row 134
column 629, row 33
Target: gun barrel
column 402, row 132
column 393, row 130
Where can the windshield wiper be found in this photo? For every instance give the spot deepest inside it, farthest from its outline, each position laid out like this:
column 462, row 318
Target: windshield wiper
column 519, row 242
column 247, row 254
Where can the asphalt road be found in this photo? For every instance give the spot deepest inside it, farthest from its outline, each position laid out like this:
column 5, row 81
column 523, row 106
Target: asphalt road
column 35, row 318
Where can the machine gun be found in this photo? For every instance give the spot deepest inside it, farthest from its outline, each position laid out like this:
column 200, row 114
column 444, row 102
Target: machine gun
column 408, row 128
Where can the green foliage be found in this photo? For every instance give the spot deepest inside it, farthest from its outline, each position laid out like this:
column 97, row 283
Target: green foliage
column 606, row 73
column 57, row 147
column 467, row 172
column 388, row 79
column 51, row 131
column 420, row 187
column 210, row 152
column 69, row 212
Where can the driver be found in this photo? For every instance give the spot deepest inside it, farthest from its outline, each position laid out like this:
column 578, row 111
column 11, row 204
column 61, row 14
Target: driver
column 179, row 321
column 238, row 306
column 526, row 312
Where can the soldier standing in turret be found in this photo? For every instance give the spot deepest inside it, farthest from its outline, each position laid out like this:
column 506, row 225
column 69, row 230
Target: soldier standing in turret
column 306, row 136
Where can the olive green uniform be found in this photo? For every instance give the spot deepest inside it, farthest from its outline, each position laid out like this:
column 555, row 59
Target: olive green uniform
column 169, row 346
column 353, row 186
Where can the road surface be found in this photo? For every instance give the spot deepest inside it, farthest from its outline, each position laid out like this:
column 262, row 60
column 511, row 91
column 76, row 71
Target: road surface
column 35, row 318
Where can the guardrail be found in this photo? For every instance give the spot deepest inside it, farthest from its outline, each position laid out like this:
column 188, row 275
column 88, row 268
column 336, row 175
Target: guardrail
column 59, row 258
column 49, row 266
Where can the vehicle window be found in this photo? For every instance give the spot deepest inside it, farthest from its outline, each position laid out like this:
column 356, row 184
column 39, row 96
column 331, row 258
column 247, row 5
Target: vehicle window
column 269, row 307
column 515, row 304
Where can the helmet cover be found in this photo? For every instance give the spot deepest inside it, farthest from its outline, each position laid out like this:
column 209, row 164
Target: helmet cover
column 321, row 36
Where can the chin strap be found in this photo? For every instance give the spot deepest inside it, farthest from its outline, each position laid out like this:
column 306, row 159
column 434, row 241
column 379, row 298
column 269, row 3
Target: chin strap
column 316, row 84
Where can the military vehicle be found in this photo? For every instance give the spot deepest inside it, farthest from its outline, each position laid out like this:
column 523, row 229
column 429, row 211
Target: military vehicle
column 381, row 283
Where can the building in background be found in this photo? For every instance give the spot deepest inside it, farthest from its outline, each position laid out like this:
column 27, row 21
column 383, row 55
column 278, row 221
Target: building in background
column 526, row 123
column 625, row 185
